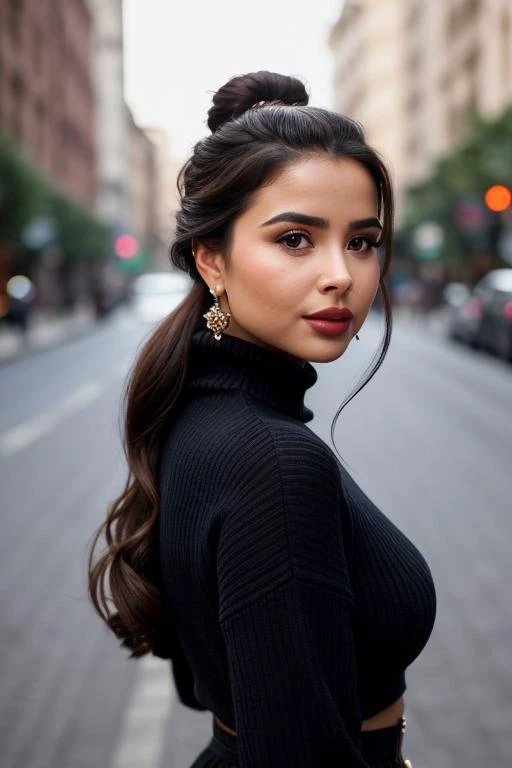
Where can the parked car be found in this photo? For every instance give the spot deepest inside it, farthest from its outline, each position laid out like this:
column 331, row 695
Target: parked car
column 495, row 330
column 482, row 317
column 154, row 294
column 464, row 312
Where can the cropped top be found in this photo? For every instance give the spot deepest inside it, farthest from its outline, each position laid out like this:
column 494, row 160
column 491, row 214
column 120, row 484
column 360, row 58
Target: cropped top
column 296, row 604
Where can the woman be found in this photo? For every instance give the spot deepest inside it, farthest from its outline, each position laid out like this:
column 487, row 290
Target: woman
column 241, row 548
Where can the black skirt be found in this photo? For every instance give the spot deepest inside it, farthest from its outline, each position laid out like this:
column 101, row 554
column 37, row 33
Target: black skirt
column 380, row 748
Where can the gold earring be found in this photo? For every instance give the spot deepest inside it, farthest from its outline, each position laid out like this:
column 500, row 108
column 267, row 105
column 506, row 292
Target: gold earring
column 216, row 319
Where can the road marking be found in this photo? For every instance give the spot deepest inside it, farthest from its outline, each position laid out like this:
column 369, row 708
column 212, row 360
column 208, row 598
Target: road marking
column 31, row 430
column 145, row 719
column 22, row 435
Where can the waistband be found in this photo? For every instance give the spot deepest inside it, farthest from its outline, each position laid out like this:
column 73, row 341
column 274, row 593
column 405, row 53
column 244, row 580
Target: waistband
column 383, row 744
column 377, row 746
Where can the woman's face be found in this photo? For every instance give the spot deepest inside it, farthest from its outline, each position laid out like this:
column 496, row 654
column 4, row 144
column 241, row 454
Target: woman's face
column 280, row 269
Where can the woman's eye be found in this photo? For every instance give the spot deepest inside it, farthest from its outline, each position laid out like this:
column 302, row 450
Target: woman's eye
column 293, row 239
column 362, row 244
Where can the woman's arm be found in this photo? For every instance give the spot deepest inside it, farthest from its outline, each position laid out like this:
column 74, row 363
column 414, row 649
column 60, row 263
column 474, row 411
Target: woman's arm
column 285, row 608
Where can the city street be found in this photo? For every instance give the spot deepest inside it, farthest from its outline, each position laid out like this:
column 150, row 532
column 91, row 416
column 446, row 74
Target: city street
column 429, row 439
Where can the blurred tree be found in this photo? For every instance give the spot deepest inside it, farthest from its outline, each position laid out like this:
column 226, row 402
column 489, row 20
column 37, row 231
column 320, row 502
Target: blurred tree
column 29, row 206
column 453, row 195
column 81, row 236
column 25, row 195
column 23, row 192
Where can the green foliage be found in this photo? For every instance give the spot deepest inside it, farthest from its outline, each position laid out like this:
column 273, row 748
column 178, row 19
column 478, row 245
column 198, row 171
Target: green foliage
column 25, row 195
column 482, row 159
column 81, row 236
column 23, row 192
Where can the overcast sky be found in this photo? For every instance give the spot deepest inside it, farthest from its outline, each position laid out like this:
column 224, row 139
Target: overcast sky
column 177, row 54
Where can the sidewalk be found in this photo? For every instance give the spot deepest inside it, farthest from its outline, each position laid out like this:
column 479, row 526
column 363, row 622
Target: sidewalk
column 46, row 330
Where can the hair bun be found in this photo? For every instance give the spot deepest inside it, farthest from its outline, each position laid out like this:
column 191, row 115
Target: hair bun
column 242, row 91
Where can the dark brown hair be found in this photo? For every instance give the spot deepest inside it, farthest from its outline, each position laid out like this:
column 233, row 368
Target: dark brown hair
column 247, row 147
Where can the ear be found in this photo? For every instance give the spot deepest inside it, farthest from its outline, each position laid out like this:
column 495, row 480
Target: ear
column 210, row 264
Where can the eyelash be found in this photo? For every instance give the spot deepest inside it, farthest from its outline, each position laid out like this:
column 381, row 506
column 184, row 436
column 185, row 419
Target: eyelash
column 370, row 241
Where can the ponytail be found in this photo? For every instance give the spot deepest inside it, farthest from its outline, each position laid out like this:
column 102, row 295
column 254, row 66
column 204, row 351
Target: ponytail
column 130, row 561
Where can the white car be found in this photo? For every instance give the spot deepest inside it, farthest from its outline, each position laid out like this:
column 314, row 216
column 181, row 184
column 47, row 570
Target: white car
column 155, row 294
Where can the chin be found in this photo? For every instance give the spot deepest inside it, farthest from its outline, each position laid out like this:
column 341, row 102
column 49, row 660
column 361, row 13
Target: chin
column 328, row 351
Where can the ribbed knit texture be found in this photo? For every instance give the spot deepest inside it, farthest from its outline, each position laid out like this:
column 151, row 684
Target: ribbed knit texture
column 297, row 604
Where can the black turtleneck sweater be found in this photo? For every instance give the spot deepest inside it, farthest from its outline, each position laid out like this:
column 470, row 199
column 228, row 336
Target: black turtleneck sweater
column 297, row 604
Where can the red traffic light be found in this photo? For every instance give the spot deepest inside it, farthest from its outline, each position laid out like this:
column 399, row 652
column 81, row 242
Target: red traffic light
column 126, row 246
column 498, row 198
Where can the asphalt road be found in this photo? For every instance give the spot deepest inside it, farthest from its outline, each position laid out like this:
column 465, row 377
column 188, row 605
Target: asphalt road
column 429, row 439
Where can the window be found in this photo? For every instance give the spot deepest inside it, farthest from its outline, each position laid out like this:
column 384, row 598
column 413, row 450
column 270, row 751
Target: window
column 14, row 19
column 37, row 49
column 40, row 110
column 17, row 107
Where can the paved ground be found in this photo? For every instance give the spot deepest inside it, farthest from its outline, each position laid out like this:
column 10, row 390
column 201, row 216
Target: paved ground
column 429, row 439
column 45, row 330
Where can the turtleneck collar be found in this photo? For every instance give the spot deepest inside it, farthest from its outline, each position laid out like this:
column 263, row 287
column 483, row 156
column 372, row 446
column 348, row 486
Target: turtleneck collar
column 266, row 374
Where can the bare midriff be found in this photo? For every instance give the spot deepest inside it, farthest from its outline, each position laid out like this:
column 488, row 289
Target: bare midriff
column 389, row 716
column 386, row 717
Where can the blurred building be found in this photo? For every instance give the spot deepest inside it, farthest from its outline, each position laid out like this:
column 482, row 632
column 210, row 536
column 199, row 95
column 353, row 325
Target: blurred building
column 112, row 128
column 46, row 89
column 458, row 60
column 167, row 198
column 142, row 191
column 127, row 158
column 369, row 79
column 413, row 72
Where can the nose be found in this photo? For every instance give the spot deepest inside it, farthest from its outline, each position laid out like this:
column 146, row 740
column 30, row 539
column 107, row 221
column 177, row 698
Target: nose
column 336, row 275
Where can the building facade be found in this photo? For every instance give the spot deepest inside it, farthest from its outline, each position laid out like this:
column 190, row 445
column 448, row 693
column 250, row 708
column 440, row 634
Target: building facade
column 112, row 126
column 142, row 191
column 367, row 46
column 46, row 90
column 413, row 72
column 458, row 60
column 166, row 192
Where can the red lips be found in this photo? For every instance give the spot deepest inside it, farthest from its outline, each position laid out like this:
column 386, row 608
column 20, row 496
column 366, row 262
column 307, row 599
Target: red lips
column 331, row 313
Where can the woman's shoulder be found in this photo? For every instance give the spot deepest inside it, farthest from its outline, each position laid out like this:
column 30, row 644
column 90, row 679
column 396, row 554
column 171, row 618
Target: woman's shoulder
column 286, row 440
column 245, row 444
column 232, row 419
column 272, row 454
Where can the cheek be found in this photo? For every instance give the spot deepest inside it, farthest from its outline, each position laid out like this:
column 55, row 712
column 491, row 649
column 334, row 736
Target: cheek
column 262, row 279
column 368, row 277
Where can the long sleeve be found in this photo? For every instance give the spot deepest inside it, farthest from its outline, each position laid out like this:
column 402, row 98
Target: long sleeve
column 169, row 648
column 180, row 671
column 184, row 681
column 285, row 608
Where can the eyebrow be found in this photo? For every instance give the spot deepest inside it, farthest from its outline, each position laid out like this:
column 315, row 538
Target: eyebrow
column 318, row 221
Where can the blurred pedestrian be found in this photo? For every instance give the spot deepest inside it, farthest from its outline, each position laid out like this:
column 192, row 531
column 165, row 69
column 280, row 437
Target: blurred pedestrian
column 100, row 298
column 20, row 295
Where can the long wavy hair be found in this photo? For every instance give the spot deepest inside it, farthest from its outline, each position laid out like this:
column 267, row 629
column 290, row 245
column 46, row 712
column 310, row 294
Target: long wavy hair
column 248, row 147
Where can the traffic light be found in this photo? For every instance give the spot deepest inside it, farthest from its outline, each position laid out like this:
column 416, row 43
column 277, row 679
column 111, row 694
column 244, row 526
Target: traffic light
column 498, row 198
column 126, row 246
